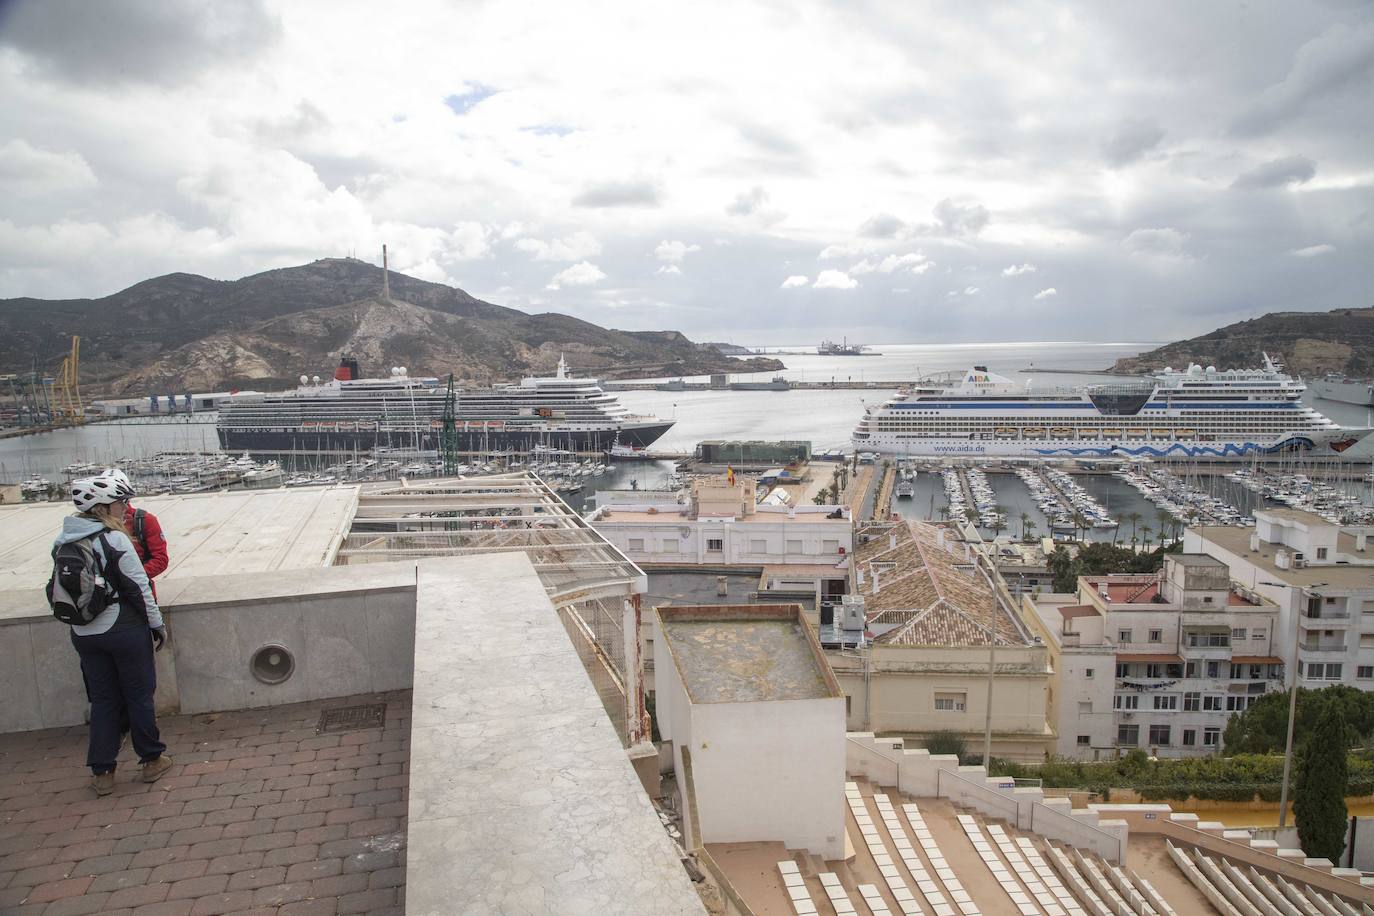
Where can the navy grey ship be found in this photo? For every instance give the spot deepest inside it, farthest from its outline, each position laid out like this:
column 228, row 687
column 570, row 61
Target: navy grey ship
column 349, row 413
column 1347, row 390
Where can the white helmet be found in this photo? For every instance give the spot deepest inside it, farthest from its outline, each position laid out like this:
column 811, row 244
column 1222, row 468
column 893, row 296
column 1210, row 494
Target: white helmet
column 98, row 491
column 117, row 475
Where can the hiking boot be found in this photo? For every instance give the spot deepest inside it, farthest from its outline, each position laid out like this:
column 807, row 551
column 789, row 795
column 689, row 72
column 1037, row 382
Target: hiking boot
column 153, row 769
column 103, row 783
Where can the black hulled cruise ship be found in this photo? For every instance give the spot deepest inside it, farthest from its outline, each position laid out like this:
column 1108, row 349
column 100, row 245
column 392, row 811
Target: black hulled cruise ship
column 350, row 413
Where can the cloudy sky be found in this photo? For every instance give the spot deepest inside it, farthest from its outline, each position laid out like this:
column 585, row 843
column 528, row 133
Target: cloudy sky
column 758, row 172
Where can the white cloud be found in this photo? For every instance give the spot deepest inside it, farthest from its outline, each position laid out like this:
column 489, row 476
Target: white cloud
column 30, row 171
column 584, row 273
column 577, row 247
column 914, row 260
column 834, row 279
column 669, row 269
column 674, row 252
column 1017, row 270
column 971, row 290
column 1312, row 251
column 1167, row 243
column 1047, row 293
column 795, row 282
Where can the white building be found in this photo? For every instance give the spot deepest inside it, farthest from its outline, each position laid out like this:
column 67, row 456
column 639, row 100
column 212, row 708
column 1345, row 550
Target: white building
column 720, row 525
column 1321, row 576
column 1175, row 654
column 756, row 723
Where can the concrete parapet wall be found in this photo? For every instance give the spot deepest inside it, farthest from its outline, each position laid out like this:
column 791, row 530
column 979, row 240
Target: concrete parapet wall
column 350, row 630
column 886, row 762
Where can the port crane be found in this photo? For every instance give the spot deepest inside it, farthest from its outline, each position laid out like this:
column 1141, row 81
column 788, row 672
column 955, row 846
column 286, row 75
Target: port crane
column 68, row 386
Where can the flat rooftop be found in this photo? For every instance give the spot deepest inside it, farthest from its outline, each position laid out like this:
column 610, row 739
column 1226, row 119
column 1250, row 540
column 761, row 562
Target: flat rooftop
column 1237, row 541
column 673, row 514
column 209, row 533
column 745, row 654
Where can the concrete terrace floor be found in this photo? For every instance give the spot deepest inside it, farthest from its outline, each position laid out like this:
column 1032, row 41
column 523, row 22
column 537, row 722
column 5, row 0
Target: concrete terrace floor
column 260, row 815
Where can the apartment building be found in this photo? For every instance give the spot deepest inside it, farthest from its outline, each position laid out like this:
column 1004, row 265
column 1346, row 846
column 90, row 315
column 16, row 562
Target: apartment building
column 1182, row 651
column 1321, row 577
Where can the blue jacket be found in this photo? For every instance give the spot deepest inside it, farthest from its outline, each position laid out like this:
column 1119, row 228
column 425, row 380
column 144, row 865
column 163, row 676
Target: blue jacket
column 123, row 572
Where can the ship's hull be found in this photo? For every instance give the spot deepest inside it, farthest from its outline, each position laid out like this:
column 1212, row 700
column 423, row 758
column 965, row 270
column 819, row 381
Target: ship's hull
column 1361, row 393
column 318, row 442
column 1318, row 443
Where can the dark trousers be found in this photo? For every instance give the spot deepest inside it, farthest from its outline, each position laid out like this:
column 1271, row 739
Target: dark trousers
column 119, row 672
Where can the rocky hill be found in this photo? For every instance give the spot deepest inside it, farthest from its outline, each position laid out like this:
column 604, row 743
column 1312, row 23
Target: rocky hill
column 1310, row 343
column 184, row 332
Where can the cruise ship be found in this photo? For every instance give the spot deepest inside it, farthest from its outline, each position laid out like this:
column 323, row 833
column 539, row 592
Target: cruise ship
column 1193, row 413
column 401, row 411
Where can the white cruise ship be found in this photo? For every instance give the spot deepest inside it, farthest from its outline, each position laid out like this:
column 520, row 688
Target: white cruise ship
column 1194, row 413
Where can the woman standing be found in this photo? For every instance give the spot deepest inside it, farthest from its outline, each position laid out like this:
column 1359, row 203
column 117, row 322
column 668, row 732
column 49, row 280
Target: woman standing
column 117, row 645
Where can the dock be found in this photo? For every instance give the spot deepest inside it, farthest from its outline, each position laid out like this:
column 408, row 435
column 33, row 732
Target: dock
column 834, row 385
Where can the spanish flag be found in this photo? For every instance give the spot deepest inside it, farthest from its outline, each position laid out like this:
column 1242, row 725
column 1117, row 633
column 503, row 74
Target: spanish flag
column 729, row 476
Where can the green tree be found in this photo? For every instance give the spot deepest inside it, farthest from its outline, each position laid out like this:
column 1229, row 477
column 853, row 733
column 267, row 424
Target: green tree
column 1145, row 531
column 1028, row 532
column 1133, row 518
column 1166, row 524
column 1263, row 727
column 1319, row 798
column 1000, row 524
column 1025, row 520
column 1064, row 569
column 946, row 742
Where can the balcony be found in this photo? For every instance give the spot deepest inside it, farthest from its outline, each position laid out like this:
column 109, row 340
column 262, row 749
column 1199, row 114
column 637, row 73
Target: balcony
column 1326, row 619
column 1322, row 647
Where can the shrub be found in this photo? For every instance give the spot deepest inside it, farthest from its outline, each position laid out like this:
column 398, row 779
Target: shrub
column 947, row 742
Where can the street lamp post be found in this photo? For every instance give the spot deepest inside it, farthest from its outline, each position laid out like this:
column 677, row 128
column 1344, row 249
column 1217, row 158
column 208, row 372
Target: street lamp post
column 1292, row 701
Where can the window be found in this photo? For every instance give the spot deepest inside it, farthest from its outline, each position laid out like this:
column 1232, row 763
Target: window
column 1214, row 669
column 846, row 705
column 1123, row 636
column 1207, row 599
column 1126, row 701
column 1191, row 670
column 758, row 545
column 1238, row 633
column 1084, row 741
column 715, row 544
column 1211, row 737
column 1159, row 734
column 1236, row 704
column 1258, row 634
column 1088, row 673
column 1154, row 670
column 1189, row 737
column 1364, row 672
column 1321, row 553
column 1237, row 672
column 1211, row 703
column 830, row 546
column 1123, row 670
column 672, row 545
column 1192, row 702
column 1128, row 735
column 1330, row 671
column 637, row 543
column 1209, row 640
column 950, row 702
column 794, row 546
column 1156, row 636
column 1167, row 701
column 1085, row 707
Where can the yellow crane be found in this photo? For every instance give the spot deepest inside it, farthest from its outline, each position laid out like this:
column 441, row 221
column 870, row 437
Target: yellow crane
column 69, row 404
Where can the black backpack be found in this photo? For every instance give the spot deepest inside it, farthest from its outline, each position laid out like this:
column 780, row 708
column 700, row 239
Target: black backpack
column 77, row 591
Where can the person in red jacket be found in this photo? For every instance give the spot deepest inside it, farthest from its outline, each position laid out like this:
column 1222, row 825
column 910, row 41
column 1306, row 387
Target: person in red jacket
column 146, row 533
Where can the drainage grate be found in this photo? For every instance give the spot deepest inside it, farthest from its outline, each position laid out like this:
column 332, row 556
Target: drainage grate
column 352, row 718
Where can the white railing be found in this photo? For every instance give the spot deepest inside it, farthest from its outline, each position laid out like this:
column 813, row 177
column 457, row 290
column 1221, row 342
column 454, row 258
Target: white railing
column 990, row 797
column 1048, row 816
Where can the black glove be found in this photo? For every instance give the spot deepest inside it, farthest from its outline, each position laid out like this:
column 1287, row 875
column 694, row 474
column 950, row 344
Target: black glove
column 159, row 638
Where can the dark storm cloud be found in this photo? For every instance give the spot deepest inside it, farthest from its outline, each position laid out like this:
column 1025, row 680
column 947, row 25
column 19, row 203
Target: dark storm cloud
column 619, row 194
column 1338, row 61
column 1132, row 139
column 1277, row 172
column 135, row 40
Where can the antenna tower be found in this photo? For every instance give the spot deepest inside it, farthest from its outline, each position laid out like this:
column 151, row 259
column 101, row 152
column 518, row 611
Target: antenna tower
column 386, row 277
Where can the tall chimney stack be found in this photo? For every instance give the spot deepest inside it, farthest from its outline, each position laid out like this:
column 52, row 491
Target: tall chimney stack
column 386, row 277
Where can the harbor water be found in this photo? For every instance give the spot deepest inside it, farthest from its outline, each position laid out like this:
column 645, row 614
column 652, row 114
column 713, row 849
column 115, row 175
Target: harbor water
column 823, row 417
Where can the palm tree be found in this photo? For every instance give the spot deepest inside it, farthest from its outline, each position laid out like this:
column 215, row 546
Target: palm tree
column 1000, row 521
column 1025, row 520
column 1080, row 524
column 1029, row 527
column 1116, row 532
column 1166, row 523
column 944, row 513
column 1133, row 518
column 1146, row 531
